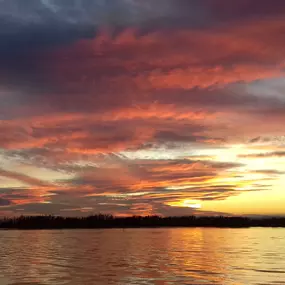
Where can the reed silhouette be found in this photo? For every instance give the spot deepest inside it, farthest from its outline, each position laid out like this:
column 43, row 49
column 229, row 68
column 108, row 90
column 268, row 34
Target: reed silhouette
column 109, row 221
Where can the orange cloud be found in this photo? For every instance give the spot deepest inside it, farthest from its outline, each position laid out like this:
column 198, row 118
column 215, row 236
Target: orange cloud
column 167, row 92
column 173, row 59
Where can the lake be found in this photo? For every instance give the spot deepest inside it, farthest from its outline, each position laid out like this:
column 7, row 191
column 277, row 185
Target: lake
column 143, row 256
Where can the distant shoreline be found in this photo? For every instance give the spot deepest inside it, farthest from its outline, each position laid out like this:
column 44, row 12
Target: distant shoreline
column 137, row 228
column 135, row 222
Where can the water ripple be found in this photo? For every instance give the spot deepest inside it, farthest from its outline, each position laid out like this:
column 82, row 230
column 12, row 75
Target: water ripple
column 143, row 256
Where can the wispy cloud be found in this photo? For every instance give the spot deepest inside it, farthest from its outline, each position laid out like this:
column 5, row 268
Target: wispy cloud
column 265, row 154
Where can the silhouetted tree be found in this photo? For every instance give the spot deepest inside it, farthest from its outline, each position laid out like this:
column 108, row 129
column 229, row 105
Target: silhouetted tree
column 109, row 221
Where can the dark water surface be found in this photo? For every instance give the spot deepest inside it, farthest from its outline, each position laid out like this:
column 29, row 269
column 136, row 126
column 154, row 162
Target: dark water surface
column 143, row 256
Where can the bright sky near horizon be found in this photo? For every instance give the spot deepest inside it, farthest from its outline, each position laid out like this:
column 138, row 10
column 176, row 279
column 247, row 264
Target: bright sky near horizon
column 168, row 107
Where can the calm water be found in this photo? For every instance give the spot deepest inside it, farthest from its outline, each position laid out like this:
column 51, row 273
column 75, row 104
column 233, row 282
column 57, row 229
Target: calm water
column 143, row 256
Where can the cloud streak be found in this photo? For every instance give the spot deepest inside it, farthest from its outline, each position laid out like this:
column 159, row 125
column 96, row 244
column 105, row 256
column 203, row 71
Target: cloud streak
column 135, row 106
column 265, row 155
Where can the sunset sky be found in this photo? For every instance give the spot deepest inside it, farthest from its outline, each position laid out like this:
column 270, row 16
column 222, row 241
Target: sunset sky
column 168, row 107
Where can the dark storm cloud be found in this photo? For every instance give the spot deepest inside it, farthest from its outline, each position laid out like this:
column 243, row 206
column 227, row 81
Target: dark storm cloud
column 31, row 26
column 15, row 194
column 32, row 33
column 4, row 202
column 130, row 12
column 40, row 208
column 246, row 9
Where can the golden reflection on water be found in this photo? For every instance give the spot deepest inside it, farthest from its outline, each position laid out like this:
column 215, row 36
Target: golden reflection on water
column 143, row 256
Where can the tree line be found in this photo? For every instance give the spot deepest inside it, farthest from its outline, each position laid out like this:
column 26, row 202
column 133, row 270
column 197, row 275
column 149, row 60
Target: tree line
column 109, row 221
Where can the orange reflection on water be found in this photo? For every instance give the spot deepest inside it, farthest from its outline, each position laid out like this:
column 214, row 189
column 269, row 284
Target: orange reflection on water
column 143, row 256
